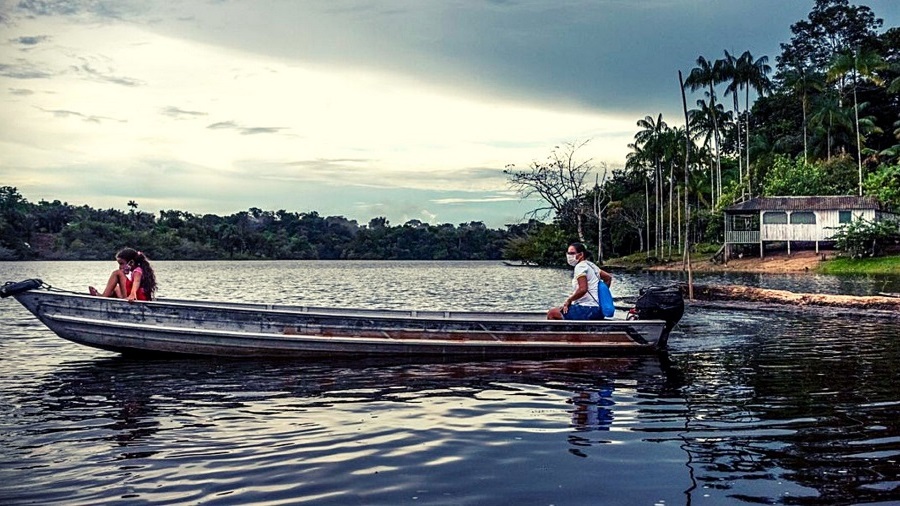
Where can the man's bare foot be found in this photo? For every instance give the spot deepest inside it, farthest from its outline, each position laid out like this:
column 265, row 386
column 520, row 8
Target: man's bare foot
column 93, row 291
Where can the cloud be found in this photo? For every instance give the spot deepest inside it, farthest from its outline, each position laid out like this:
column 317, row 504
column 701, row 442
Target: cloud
column 104, row 75
column 260, row 130
column 62, row 113
column 223, row 125
column 365, row 173
column 22, row 69
column 486, row 198
column 231, row 125
column 175, row 112
column 30, row 40
column 103, row 8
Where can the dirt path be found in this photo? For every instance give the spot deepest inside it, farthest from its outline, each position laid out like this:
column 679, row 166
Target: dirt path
column 777, row 263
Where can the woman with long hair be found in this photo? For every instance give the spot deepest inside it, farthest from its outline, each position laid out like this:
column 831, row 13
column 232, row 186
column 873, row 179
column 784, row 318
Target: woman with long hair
column 133, row 280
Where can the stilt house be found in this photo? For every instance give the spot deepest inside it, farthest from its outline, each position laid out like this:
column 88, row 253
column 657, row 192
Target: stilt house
column 796, row 219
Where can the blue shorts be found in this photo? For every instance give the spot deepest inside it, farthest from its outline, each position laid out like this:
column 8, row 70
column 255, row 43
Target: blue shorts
column 579, row 312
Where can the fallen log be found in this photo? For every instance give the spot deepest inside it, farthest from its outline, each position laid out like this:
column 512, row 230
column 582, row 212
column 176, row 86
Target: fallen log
column 754, row 298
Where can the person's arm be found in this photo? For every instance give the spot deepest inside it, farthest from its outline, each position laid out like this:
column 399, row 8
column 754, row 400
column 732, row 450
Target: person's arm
column 136, row 276
column 605, row 277
column 577, row 294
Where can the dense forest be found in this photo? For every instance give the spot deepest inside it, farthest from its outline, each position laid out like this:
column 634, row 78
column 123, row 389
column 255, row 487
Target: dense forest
column 825, row 120
column 56, row 230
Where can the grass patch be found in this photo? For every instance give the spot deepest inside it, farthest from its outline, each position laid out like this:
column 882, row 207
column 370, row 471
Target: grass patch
column 878, row 265
column 640, row 260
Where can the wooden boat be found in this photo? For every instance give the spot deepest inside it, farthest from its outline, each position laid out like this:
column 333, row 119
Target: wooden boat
column 231, row 329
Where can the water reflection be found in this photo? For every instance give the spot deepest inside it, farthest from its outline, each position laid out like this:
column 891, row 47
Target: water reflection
column 749, row 406
column 795, row 404
column 128, row 402
column 593, row 410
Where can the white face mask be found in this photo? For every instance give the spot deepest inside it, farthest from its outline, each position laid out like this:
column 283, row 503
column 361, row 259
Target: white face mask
column 571, row 259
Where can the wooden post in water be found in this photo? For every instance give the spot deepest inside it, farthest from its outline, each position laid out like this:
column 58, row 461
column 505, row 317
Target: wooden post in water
column 687, row 207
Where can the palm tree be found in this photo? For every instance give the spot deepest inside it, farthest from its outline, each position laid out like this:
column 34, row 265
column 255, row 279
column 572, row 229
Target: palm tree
column 675, row 139
column 755, row 75
column 867, row 125
column 729, row 66
column 705, row 128
column 859, row 64
column 708, row 74
column 802, row 81
column 829, row 119
column 893, row 152
column 650, row 140
column 637, row 162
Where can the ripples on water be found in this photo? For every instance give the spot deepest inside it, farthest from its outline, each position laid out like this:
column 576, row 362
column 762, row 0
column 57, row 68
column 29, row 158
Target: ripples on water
column 747, row 407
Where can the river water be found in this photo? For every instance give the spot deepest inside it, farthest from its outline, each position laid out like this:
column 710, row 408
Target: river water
column 745, row 408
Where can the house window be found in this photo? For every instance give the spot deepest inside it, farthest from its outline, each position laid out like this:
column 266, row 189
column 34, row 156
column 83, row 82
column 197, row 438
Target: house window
column 803, row 218
column 775, row 218
column 845, row 216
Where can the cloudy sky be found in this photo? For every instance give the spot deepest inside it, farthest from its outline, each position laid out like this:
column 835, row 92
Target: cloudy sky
column 407, row 109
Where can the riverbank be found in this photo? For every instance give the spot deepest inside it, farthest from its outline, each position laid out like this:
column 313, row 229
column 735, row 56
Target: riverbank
column 799, row 262
column 776, row 263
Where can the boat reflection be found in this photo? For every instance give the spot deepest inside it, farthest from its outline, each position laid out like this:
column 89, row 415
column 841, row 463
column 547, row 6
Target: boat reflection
column 134, row 399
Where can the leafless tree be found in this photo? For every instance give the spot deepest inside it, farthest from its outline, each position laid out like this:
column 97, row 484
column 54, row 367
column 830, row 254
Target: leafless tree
column 559, row 182
column 601, row 203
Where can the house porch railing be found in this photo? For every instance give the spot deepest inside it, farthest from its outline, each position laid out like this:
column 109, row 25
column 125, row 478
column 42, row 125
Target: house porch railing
column 742, row 236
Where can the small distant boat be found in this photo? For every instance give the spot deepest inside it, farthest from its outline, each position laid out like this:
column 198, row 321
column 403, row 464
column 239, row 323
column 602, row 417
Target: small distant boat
column 229, row 329
column 518, row 264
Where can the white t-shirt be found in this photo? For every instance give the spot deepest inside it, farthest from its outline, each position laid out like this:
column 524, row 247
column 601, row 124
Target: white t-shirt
column 585, row 268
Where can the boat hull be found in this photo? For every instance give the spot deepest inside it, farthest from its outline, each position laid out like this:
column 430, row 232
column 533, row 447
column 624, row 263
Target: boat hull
column 261, row 330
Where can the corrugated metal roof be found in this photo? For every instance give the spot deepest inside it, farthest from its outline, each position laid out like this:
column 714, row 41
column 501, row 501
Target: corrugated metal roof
column 818, row 203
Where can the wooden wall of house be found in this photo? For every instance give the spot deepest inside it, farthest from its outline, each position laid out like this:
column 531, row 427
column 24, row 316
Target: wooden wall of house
column 827, row 223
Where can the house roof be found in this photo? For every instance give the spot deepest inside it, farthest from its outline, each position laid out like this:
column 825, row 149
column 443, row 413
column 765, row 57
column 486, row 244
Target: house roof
column 817, row 203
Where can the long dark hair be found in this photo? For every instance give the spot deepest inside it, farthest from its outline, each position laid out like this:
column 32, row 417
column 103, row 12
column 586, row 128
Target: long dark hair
column 581, row 248
column 137, row 258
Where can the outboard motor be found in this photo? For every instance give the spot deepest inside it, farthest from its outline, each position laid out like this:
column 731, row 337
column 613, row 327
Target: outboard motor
column 659, row 303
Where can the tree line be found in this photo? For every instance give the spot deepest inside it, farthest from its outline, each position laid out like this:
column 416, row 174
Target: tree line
column 60, row 231
column 824, row 121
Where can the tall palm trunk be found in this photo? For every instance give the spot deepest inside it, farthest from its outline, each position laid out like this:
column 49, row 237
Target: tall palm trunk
column 747, row 137
column 718, row 169
column 712, row 112
column 830, row 126
column 659, row 209
column 671, row 203
column 737, row 124
column 858, row 137
column 647, row 214
column 678, row 207
column 805, row 129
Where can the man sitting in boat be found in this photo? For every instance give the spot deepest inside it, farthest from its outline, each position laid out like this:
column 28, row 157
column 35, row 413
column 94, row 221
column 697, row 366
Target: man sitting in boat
column 584, row 303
